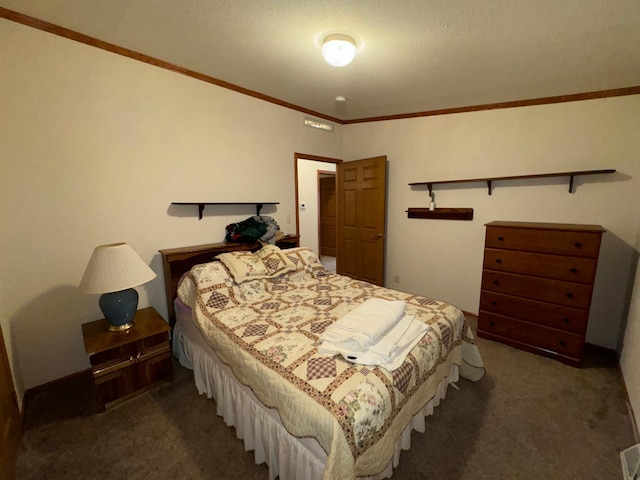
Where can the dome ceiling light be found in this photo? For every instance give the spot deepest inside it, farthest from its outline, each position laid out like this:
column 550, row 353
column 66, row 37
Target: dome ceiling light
column 338, row 49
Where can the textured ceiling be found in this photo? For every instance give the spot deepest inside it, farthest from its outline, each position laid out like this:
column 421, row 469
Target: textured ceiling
column 414, row 56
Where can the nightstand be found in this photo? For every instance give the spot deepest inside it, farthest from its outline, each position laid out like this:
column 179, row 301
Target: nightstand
column 289, row 241
column 125, row 364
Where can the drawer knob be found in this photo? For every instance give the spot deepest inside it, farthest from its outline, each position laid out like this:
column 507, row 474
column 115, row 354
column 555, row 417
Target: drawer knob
column 565, row 319
column 573, row 270
column 563, row 343
column 577, row 245
column 493, row 324
column 496, row 282
column 498, row 260
column 569, row 295
column 500, row 238
column 494, row 303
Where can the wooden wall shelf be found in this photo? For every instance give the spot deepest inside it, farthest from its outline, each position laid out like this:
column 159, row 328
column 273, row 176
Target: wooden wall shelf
column 489, row 180
column 441, row 213
column 201, row 205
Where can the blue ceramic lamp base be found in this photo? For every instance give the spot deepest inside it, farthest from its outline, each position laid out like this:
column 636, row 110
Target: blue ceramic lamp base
column 119, row 308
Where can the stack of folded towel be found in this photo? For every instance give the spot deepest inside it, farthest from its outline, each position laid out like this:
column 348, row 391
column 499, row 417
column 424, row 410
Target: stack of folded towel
column 378, row 332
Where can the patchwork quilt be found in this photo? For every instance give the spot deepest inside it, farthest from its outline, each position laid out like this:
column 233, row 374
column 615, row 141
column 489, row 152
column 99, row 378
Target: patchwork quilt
column 267, row 329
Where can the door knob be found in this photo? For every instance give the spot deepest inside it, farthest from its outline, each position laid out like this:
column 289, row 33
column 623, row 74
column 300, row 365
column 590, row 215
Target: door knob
column 376, row 236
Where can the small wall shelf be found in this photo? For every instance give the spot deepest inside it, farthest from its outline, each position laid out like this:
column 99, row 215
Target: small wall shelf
column 201, row 205
column 490, row 180
column 441, row 213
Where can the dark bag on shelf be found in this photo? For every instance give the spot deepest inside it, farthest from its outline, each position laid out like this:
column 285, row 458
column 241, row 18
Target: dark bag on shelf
column 246, row 231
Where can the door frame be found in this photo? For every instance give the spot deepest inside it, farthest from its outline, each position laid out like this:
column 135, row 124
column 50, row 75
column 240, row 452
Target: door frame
column 11, row 418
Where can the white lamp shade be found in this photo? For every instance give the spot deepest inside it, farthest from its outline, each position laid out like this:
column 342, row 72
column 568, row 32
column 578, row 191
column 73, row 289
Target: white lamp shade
column 114, row 267
column 338, row 49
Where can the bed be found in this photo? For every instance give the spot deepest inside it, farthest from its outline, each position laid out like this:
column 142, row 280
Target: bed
column 248, row 324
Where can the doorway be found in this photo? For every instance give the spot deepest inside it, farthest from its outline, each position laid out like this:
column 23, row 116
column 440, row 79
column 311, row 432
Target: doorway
column 313, row 178
column 327, row 219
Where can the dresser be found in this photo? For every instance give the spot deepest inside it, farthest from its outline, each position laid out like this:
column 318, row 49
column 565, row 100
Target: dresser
column 537, row 283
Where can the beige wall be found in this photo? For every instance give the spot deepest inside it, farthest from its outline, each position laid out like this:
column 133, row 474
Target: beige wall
column 94, row 149
column 630, row 358
column 443, row 259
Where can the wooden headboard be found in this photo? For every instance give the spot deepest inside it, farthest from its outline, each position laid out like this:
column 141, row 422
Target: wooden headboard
column 178, row 261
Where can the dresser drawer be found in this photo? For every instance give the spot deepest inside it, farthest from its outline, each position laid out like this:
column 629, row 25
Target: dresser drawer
column 572, row 269
column 555, row 291
column 549, row 314
column 564, row 343
column 574, row 243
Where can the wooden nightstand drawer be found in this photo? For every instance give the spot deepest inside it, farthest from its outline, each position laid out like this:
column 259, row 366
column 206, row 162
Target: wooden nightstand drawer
column 108, row 358
column 561, row 242
column 153, row 343
column 556, row 291
column 564, row 343
column 572, row 269
column 107, row 368
column 534, row 311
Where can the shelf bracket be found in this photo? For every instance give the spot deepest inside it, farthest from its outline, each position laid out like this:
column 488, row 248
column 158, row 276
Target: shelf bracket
column 258, row 208
column 430, row 187
column 571, row 184
column 200, row 210
column 489, row 182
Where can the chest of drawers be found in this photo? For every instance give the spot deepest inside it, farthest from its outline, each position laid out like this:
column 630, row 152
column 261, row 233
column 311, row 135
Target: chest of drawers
column 537, row 283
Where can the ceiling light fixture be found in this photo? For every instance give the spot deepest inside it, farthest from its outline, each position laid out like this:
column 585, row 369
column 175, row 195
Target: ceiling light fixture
column 338, row 49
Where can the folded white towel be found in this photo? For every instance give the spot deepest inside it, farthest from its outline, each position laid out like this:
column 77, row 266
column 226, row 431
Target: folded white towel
column 365, row 324
column 390, row 351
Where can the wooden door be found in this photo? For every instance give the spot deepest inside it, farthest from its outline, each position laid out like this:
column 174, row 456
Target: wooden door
column 362, row 199
column 327, row 214
column 9, row 416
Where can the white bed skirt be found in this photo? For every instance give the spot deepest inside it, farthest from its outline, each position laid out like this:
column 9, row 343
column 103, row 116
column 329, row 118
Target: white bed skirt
column 260, row 428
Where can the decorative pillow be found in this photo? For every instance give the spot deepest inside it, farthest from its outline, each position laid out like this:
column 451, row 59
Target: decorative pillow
column 275, row 260
column 244, row 266
column 213, row 283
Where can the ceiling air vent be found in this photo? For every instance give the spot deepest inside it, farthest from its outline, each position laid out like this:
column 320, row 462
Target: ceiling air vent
column 321, row 124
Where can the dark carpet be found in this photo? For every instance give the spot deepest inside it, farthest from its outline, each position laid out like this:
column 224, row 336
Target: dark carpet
column 528, row 418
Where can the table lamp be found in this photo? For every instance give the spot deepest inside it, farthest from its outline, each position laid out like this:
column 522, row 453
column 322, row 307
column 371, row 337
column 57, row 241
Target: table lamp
column 113, row 271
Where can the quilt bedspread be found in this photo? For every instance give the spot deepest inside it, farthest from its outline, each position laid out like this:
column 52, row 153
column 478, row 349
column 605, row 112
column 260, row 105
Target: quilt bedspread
column 267, row 331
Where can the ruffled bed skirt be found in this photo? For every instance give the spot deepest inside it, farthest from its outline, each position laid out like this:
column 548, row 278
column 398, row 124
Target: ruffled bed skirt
column 260, row 427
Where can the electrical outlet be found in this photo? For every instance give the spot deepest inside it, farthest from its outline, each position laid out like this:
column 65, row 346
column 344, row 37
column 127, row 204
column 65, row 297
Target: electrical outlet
column 288, row 219
column 396, row 278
